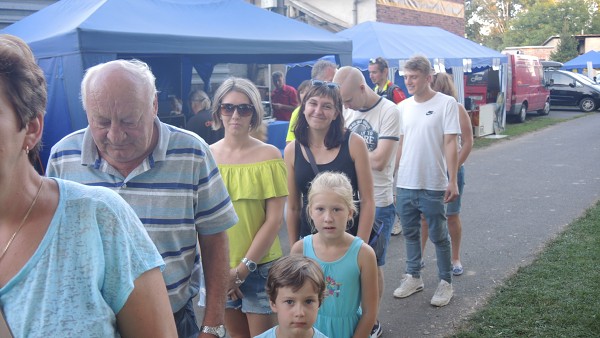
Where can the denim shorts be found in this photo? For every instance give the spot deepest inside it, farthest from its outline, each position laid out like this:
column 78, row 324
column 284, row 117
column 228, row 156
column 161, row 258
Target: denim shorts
column 453, row 208
column 255, row 298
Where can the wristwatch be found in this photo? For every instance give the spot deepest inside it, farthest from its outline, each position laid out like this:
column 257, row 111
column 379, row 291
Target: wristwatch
column 250, row 264
column 218, row 331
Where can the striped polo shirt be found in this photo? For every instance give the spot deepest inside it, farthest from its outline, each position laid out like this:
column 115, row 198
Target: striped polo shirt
column 177, row 192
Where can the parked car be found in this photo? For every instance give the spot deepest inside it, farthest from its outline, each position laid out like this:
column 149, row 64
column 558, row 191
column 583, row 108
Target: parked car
column 572, row 89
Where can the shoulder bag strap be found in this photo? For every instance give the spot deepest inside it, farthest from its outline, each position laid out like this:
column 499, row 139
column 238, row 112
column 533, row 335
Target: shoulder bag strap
column 311, row 159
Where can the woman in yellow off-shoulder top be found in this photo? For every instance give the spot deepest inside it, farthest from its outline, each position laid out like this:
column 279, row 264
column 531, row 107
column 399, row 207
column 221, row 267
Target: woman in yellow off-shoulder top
column 255, row 176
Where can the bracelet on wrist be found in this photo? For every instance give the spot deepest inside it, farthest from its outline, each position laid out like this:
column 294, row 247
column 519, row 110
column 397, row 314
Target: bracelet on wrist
column 238, row 281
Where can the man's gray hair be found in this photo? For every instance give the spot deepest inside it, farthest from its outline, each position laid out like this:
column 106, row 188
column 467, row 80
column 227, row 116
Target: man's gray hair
column 319, row 68
column 136, row 68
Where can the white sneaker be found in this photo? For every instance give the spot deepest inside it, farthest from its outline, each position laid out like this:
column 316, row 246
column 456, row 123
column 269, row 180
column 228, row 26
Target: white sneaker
column 443, row 294
column 397, row 228
column 409, row 286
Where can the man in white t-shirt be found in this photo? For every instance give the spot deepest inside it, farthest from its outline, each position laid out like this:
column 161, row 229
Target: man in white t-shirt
column 376, row 120
column 426, row 178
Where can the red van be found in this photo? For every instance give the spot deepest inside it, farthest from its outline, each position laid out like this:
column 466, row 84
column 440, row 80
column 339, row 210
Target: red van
column 525, row 87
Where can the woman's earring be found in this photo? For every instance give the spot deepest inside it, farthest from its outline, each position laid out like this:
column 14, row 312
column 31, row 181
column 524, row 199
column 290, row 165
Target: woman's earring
column 26, row 150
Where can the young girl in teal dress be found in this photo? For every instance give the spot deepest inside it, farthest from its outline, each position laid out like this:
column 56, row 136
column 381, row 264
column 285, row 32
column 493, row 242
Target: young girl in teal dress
column 349, row 265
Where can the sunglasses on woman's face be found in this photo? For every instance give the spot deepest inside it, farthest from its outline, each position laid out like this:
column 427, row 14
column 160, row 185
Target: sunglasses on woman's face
column 318, row 83
column 244, row 110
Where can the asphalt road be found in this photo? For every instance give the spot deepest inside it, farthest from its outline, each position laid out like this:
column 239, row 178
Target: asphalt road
column 519, row 194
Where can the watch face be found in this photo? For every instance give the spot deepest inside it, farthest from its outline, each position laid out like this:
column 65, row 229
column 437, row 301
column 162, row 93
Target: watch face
column 251, row 265
column 219, row 331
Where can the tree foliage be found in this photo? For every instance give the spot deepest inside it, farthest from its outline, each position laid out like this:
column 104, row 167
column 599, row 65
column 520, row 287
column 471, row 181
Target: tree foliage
column 595, row 25
column 567, row 48
column 546, row 19
column 489, row 19
column 501, row 23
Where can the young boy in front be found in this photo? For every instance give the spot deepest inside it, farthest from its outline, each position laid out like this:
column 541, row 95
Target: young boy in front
column 295, row 286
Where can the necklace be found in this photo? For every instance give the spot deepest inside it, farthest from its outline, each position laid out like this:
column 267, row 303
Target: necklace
column 23, row 220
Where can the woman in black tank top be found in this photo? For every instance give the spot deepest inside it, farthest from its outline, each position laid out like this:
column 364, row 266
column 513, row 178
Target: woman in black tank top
column 320, row 130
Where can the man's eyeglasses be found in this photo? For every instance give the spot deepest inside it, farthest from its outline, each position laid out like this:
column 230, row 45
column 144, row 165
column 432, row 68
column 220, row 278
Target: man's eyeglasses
column 318, row 83
column 372, row 61
column 227, row 109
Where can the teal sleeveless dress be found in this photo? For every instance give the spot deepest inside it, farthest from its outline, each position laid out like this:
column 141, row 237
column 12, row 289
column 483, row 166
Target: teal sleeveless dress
column 340, row 312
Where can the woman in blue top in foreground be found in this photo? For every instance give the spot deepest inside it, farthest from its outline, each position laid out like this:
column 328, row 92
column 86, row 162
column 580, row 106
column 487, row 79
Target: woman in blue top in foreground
column 75, row 260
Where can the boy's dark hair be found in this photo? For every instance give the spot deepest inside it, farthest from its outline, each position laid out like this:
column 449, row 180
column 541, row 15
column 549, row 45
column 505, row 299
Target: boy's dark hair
column 294, row 271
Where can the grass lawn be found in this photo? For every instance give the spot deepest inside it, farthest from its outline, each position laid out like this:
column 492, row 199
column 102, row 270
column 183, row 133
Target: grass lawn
column 558, row 295
column 513, row 130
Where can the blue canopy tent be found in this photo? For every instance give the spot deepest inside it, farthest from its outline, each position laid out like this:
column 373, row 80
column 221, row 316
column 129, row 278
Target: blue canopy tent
column 399, row 42
column 581, row 62
column 171, row 35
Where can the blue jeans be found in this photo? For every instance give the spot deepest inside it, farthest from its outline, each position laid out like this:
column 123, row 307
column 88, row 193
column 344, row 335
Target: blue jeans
column 387, row 216
column 410, row 205
column 185, row 320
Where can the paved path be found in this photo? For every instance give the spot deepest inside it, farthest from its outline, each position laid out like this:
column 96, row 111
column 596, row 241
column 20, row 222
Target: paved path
column 519, row 194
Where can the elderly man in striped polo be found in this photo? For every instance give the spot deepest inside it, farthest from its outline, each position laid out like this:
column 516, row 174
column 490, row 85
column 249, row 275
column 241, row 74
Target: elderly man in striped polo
column 166, row 174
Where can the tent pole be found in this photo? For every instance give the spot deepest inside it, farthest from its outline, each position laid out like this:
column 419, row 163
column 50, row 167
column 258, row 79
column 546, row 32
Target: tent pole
column 270, row 86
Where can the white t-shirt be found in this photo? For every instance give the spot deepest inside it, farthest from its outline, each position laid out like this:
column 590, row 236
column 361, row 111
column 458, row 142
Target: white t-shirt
column 423, row 125
column 378, row 123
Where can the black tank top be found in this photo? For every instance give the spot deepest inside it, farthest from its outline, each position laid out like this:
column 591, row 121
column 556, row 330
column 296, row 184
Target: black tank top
column 304, row 175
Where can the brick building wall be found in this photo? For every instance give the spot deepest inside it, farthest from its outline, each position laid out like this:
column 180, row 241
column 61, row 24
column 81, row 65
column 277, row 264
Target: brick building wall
column 401, row 12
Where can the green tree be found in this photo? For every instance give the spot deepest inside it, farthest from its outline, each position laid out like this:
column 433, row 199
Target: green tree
column 548, row 18
column 567, row 48
column 595, row 24
column 487, row 20
column 501, row 23
column 472, row 29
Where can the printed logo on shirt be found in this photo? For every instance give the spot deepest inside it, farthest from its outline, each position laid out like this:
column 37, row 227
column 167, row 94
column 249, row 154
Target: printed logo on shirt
column 332, row 288
column 429, row 112
column 364, row 129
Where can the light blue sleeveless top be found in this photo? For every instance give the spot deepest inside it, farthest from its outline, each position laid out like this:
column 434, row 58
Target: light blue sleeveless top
column 340, row 312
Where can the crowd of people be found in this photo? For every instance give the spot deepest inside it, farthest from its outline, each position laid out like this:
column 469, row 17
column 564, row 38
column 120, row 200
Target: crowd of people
column 135, row 216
